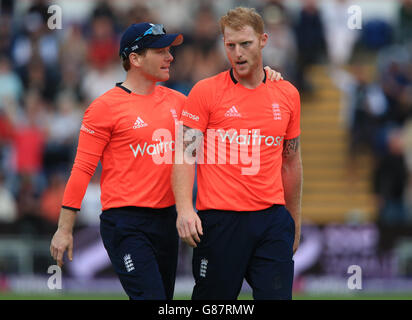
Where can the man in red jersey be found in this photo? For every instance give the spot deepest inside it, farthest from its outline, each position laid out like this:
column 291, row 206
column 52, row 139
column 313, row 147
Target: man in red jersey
column 130, row 129
column 121, row 129
column 250, row 172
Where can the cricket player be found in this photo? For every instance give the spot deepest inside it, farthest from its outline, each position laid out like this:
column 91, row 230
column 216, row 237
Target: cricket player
column 249, row 176
column 131, row 130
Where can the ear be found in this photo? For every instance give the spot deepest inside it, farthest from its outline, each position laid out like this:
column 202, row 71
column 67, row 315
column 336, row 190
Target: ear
column 136, row 59
column 263, row 40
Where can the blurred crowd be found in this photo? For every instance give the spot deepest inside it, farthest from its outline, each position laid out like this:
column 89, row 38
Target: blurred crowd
column 378, row 111
column 48, row 77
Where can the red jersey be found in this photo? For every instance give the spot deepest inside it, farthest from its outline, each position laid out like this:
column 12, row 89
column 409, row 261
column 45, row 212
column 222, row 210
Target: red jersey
column 244, row 130
column 133, row 137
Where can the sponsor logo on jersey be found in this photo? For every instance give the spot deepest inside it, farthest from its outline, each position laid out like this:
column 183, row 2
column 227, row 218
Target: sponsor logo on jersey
column 232, row 112
column 139, row 123
column 85, row 129
column 153, row 149
column 247, row 137
column 189, row 115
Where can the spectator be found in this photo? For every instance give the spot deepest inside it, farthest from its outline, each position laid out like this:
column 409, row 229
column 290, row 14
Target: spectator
column 364, row 107
column 73, row 53
column 5, row 33
column 310, row 41
column 340, row 39
column 136, row 14
column 52, row 197
column 281, row 51
column 368, row 106
column 37, row 77
column 178, row 16
column 103, row 67
column 30, row 220
column 6, row 141
column 396, row 82
column 6, row 128
column 407, row 146
column 8, row 207
column 207, row 59
column 36, row 39
column 29, row 140
column 376, row 34
column 35, row 51
column 7, row 6
column 405, row 21
column 62, row 132
column 102, row 46
column 391, row 172
column 391, row 177
column 10, row 84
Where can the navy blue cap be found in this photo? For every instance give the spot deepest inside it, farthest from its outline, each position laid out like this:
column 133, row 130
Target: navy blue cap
column 146, row 35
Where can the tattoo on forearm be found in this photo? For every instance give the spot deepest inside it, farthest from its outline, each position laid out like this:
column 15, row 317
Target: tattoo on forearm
column 290, row 147
column 196, row 139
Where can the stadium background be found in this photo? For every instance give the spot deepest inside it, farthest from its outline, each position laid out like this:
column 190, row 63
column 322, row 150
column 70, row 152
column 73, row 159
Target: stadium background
column 356, row 93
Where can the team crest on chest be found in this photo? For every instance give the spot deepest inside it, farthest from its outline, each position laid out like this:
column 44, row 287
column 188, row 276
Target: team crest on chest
column 174, row 115
column 277, row 115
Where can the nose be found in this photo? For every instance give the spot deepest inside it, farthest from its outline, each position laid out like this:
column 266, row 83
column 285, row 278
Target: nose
column 169, row 56
column 238, row 51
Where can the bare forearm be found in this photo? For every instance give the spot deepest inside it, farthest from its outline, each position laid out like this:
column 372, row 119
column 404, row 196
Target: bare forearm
column 183, row 176
column 292, row 175
column 63, row 238
column 188, row 224
column 67, row 219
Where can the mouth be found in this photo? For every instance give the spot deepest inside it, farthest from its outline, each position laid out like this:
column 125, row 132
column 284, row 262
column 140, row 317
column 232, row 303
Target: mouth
column 240, row 63
column 165, row 68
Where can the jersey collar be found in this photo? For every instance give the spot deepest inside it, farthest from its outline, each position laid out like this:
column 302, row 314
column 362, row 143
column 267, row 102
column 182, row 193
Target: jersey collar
column 120, row 85
column 235, row 81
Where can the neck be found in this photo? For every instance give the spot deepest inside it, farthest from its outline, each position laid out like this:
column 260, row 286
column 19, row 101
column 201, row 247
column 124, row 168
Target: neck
column 252, row 80
column 138, row 83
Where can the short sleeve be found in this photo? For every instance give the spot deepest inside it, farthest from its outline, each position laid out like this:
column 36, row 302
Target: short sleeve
column 196, row 110
column 293, row 129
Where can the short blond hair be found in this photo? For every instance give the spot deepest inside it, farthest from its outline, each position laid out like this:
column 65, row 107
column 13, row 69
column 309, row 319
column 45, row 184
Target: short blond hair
column 240, row 17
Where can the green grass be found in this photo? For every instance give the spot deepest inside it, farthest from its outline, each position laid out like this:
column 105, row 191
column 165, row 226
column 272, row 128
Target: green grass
column 108, row 296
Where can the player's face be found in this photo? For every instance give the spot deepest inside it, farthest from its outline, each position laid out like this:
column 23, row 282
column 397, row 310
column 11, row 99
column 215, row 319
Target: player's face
column 244, row 49
column 156, row 64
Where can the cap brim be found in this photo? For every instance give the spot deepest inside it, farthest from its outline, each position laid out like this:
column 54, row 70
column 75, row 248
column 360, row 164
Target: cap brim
column 167, row 40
